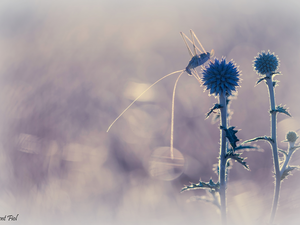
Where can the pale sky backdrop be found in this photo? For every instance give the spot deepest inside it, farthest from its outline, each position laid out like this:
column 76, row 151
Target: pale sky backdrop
column 68, row 68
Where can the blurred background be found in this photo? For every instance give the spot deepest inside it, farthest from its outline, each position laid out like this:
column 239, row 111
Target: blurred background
column 69, row 68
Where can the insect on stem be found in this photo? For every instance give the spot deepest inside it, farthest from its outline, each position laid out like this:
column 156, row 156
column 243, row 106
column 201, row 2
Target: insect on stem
column 195, row 61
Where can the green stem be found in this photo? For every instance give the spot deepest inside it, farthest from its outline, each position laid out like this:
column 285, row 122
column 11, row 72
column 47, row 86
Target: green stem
column 222, row 160
column 274, row 147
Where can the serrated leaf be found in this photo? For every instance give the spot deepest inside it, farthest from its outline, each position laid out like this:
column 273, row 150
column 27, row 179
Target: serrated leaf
column 287, row 171
column 202, row 185
column 228, row 100
column 281, row 109
column 275, row 73
column 283, row 152
column 236, row 156
column 230, row 134
column 244, row 147
column 261, row 79
column 265, row 138
column 216, row 106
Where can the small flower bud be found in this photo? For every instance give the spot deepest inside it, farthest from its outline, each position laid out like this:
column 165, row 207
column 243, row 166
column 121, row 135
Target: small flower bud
column 291, row 136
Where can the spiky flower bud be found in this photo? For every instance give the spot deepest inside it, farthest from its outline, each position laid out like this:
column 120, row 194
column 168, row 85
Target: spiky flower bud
column 291, row 136
column 221, row 77
column 266, row 63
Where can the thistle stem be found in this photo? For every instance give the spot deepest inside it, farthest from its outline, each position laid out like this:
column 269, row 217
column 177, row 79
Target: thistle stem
column 222, row 160
column 269, row 82
column 287, row 158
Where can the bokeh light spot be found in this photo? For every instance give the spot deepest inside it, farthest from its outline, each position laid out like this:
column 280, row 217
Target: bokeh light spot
column 163, row 167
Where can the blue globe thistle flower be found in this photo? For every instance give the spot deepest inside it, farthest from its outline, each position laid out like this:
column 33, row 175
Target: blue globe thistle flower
column 221, row 77
column 266, row 63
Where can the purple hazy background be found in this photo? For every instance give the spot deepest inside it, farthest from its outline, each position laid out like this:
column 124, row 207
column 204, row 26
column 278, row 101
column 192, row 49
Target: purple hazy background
column 69, row 68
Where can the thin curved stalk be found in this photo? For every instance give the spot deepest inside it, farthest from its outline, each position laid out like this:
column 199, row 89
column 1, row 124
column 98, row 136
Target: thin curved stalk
column 172, row 117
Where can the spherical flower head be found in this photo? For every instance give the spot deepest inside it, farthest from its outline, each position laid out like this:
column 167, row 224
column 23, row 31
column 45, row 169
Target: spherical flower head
column 221, row 77
column 291, row 136
column 266, row 63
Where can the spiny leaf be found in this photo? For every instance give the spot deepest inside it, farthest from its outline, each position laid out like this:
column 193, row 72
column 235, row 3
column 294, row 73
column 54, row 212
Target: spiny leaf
column 230, row 134
column 216, row 106
column 216, row 117
column 283, row 152
column 202, row 185
column 261, row 79
column 236, row 156
column 241, row 148
column 281, row 109
column 259, row 138
column 228, row 100
column 287, row 171
column 277, row 73
column 244, row 147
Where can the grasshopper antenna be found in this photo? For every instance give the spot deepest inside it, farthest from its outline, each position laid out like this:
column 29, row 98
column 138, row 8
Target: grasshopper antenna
column 194, row 46
column 190, row 51
column 172, row 117
column 193, row 34
column 142, row 94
